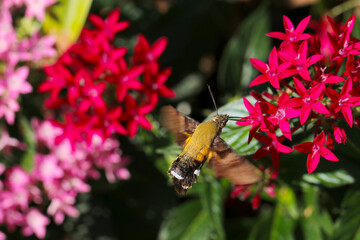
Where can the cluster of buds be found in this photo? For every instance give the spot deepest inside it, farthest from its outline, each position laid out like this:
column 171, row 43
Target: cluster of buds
column 308, row 87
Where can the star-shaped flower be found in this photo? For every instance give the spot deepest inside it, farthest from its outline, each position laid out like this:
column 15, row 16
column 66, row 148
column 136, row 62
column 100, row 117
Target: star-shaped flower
column 343, row 101
column 315, row 150
column 270, row 71
column 308, row 100
column 291, row 34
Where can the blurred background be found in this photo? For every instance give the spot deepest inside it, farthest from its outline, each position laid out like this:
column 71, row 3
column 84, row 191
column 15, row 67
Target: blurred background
column 209, row 42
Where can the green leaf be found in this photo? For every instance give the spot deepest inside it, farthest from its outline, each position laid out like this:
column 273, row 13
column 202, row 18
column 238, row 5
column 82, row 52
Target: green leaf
column 65, row 20
column 285, row 215
column 261, row 230
column 188, row 221
column 237, row 136
column 212, row 202
column 235, row 69
column 347, row 225
column 310, row 224
column 329, row 179
column 27, row 161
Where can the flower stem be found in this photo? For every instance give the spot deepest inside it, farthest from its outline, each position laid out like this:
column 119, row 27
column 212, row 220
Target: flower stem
column 343, row 7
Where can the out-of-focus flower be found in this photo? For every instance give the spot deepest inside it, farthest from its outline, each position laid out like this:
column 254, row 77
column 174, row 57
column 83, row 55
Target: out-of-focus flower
column 35, row 223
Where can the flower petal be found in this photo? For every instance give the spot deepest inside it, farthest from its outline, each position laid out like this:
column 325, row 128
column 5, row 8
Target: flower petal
column 302, row 25
column 312, row 162
column 259, row 80
column 327, row 154
column 320, row 108
column 259, row 65
column 346, row 111
column 305, row 147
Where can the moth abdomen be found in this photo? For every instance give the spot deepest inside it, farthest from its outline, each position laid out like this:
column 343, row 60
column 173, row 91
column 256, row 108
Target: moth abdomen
column 184, row 172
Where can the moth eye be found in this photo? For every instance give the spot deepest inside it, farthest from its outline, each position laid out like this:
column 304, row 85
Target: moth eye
column 176, row 175
column 197, row 172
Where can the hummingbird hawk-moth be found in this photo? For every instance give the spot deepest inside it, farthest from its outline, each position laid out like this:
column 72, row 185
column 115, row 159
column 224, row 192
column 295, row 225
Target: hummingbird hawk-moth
column 202, row 142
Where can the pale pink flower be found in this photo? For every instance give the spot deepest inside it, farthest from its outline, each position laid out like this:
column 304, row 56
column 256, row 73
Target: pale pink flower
column 17, row 178
column 62, row 206
column 7, row 142
column 16, row 81
column 8, row 107
column 2, row 236
column 45, row 132
column 35, row 223
column 40, row 47
column 47, row 168
column 36, row 8
column 7, row 32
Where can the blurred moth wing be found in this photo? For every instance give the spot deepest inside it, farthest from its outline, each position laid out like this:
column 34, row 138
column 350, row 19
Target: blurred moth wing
column 202, row 143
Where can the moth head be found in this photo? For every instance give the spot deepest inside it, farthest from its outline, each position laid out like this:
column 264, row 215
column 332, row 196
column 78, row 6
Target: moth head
column 220, row 120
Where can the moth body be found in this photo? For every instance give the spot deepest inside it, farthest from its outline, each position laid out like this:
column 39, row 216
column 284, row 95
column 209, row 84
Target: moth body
column 202, row 142
column 185, row 169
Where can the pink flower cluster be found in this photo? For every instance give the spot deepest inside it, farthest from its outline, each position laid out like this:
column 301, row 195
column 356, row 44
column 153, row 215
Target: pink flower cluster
column 96, row 88
column 58, row 176
column 305, row 73
column 14, row 52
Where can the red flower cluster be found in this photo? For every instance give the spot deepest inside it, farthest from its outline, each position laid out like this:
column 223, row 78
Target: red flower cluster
column 97, row 90
column 305, row 72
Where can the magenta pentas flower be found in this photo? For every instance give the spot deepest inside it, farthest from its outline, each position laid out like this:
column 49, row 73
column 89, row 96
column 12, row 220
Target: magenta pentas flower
column 154, row 85
column 270, row 71
column 92, row 81
column 292, row 34
column 300, row 63
column 283, row 114
column 337, row 30
column 318, row 92
column 135, row 116
column 352, row 68
column 111, row 25
column 315, row 150
column 327, row 78
column 344, row 47
column 308, row 100
column 339, row 134
column 256, row 119
column 343, row 101
column 147, row 54
column 109, row 61
column 272, row 145
column 86, row 94
column 127, row 79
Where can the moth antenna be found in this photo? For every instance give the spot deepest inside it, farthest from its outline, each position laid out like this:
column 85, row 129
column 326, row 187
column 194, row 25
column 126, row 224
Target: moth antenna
column 212, row 97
